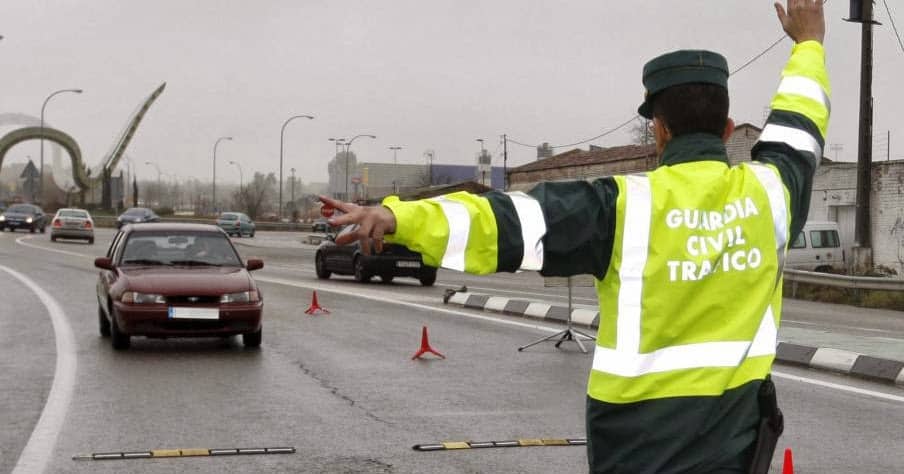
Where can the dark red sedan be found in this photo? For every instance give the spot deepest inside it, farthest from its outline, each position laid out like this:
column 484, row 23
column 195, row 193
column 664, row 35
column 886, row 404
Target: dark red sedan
column 176, row 280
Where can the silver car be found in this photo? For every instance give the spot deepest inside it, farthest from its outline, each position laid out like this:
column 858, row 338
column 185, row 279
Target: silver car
column 72, row 224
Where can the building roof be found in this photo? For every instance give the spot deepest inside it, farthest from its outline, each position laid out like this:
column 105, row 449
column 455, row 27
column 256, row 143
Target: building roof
column 748, row 125
column 439, row 190
column 578, row 157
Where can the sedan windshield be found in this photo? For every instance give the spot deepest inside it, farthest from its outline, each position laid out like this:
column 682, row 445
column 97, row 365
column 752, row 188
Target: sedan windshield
column 135, row 212
column 179, row 248
column 20, row 208
column 229, row 217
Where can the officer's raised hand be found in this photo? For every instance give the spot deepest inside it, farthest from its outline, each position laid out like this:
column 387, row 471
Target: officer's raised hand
column 803, row 21
column 373, row 223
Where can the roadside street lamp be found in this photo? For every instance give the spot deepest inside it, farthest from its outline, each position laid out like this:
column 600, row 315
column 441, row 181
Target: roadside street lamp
column 214, row 200
column 395, row 161
column 482, row 149
column 282, row 135
column 348, row 147
column 159, row 186
column 339, row 142
column 293, row 187
column 44, row 106
column 395, row 158
column 240, row 173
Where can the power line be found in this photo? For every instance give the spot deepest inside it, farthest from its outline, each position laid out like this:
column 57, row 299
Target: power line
column 758, row 56
column 626, row 122
column 892, row 19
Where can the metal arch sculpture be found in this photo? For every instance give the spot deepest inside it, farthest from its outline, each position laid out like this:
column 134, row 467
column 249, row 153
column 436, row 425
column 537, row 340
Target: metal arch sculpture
column 119, row 147
column 79, row 172
column 81, row 175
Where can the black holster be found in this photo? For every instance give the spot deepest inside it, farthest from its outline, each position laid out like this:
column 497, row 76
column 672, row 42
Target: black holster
column 772, row 423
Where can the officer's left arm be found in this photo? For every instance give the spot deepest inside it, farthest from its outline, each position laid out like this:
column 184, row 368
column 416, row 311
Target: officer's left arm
column 794, row 135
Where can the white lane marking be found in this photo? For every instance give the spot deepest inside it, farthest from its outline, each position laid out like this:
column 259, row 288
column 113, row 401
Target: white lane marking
column 359, row 294
column 37, row 452
column 843, row 388
column 21, row 241
column 307, row 268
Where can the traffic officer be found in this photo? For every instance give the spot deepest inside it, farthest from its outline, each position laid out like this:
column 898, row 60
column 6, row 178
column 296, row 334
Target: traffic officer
column 687, row 259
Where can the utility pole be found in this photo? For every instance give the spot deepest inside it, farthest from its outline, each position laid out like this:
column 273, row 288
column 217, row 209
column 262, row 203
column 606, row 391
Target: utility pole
column 862, row 12
column 504, row 162
column 836, row 147
column 293, row 188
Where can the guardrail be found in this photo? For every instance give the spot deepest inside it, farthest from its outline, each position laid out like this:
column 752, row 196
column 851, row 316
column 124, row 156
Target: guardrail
column 841, row 281
column 792, row 276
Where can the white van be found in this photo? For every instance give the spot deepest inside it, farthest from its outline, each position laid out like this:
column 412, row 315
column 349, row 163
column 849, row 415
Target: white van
column 817, row 248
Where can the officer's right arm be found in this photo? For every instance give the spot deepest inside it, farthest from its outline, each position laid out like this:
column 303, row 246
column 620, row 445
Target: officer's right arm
column 558, row 229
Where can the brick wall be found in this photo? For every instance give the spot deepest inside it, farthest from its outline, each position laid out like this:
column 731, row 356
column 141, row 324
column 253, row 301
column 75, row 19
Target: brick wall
column 834, row 194
column 887, row 214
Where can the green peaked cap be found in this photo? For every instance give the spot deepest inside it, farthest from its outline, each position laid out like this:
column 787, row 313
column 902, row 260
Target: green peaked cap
column 681, row 67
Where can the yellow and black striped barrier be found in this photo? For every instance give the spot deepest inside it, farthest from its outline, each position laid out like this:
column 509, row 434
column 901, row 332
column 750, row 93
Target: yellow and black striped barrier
column 181, row 453
column 515, row 443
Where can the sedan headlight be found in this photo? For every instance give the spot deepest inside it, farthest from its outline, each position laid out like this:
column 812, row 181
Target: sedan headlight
column 134, row 297
column 28, row 220
column 241, row 297
column 2, row 218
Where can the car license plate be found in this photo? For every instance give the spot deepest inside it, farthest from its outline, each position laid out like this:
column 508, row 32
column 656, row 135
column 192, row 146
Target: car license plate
column 176, row 312
column 408, row 264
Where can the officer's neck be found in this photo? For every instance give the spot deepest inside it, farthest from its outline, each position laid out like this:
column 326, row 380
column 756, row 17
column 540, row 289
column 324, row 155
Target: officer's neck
column 693, row 147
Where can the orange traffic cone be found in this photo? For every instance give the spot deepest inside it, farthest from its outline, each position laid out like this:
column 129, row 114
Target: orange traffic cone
column 788, row 466
column 425, row 346
column 315, row 306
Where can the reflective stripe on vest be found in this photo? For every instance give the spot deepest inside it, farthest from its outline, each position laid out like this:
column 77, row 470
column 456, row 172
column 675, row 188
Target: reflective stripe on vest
column 459, row 222
column 793, row 137
column 530, row 216
column 805, row 87
column 775, row 190
column 533, row 228
column 625, row 359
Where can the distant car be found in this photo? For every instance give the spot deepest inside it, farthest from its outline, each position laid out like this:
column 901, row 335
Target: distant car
column 72, row 224
column 236, row 223
column 395, row 260
column 135, row 215
column 176, row 280
column 817, row 248
column 321, row 225
column 23, row 216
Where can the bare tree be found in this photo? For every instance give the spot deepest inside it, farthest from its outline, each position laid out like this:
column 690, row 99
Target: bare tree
column 642, row 131
column 256, row 197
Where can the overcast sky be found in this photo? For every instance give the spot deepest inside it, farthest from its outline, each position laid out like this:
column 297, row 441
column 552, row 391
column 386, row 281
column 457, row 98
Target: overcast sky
column 422, row 74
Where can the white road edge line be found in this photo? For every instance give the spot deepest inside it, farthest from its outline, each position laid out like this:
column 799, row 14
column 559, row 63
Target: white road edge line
column 843, row 388
column 37, row 452
column 21, row 241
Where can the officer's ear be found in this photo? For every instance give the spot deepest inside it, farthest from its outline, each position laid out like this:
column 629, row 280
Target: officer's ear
column 729, row 129
column 661, row 133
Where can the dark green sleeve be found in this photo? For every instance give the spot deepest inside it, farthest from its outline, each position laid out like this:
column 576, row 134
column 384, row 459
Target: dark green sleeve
column 580, row 226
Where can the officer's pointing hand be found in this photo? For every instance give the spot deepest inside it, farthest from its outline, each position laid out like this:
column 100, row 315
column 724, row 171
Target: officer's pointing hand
column 803, row 21
column 373, row 223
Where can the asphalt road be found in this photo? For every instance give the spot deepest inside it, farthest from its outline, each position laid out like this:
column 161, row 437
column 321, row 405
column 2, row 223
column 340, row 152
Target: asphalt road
column 341, row 387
